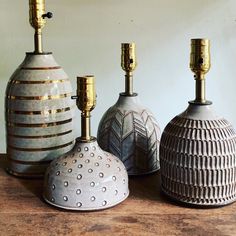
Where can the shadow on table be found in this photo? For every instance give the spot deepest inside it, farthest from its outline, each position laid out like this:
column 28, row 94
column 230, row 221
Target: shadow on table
column 2, row 160
column 146, row 187
column 35, row 186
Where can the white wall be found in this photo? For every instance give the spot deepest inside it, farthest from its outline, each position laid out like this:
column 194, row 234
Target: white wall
column 85, row 36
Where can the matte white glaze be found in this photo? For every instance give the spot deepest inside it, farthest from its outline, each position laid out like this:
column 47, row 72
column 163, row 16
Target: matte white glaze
column 87, row 178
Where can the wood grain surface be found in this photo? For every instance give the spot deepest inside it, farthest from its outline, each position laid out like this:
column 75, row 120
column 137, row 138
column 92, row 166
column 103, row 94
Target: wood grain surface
column 145, row 212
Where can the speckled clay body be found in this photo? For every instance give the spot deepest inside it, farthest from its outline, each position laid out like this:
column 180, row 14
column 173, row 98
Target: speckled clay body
column 129, row 131
column 87, row 178
column 198, row 158
column 39, row 115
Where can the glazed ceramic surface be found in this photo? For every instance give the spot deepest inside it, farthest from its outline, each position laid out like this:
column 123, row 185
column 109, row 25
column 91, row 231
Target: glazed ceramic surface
column 198, row 158
column 87, row 178
column 130, row 132
column 39, row 115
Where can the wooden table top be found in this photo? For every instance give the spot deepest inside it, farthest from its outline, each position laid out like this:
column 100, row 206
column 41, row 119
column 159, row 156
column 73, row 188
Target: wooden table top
column 145, row 212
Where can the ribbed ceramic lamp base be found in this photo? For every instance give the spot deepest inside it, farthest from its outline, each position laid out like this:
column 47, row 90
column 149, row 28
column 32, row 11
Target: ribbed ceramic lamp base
column 191, row 201
column 198, row 158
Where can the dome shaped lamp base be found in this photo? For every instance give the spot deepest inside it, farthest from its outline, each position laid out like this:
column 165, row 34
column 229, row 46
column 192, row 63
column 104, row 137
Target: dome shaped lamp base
column 87, row 178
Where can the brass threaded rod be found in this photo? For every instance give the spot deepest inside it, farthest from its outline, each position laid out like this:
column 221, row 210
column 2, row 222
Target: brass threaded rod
column 200, row 91
column 38, row 44
column 129, row 83
column 85, row 126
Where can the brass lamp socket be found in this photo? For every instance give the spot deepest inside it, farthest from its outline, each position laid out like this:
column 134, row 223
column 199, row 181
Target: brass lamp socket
column 37, row 18
column 128, row 64
column 200, row 61
column 128, row 57
column 36, row 12
column 86, row 102
column 86, row 94
column 200, row 64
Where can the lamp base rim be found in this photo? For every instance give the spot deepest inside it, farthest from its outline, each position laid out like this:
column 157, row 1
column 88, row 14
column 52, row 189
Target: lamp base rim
column 85, row 209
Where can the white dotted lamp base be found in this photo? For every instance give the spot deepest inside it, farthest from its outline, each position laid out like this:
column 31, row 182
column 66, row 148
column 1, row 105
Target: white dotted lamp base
column 87, row 178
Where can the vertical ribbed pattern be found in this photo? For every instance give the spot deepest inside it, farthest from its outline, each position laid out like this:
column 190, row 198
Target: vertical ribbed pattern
column 39, row 115
column 198, row 161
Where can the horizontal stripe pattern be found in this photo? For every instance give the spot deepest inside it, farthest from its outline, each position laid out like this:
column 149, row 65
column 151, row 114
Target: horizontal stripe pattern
column 39, row 115
column 27, row 174
column 41, row 68
column 46, row 97
column 40, row 149
column 39, row 136
column 38, row 125
column 38, row 81
column 30, row 162
column 53, row 111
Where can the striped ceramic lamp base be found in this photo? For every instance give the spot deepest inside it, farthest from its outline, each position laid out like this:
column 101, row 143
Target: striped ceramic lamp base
column 39, row 115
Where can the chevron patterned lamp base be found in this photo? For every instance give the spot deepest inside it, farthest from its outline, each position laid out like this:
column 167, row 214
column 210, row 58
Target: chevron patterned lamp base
column 130, row 132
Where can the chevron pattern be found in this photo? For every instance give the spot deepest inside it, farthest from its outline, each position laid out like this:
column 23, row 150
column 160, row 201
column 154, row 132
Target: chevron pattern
column 133, row 137
column 198, row 161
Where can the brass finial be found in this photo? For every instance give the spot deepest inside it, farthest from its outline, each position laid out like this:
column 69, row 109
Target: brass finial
column 200, row 64
column 128, row 64
column 86, row 102
column 37, row 20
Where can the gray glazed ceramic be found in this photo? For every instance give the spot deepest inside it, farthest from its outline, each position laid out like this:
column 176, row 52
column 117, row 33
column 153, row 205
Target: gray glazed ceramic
column 39, row 115
column 129, row 131
column 198, row 158
column 87, row 178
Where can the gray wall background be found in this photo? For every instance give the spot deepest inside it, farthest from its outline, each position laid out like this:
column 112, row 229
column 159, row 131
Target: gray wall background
column 85, row 36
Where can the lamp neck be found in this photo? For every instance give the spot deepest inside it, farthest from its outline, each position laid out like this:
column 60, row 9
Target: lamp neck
column 85, row 126
column 129, row 83
column 200, row 88
column 38, row 44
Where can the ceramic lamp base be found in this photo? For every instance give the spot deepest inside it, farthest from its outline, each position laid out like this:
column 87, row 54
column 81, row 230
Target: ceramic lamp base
column 39, row 115
column 198, row 158
column 86, row 179
column 130, row 132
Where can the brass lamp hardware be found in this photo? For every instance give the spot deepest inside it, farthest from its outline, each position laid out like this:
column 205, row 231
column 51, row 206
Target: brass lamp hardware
column 39, row 114
column 128, row 64
column 200, row 63
column 86, row 178
column 198, row 147
column 86, row 102
column 37, row 20
column 128, row 129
